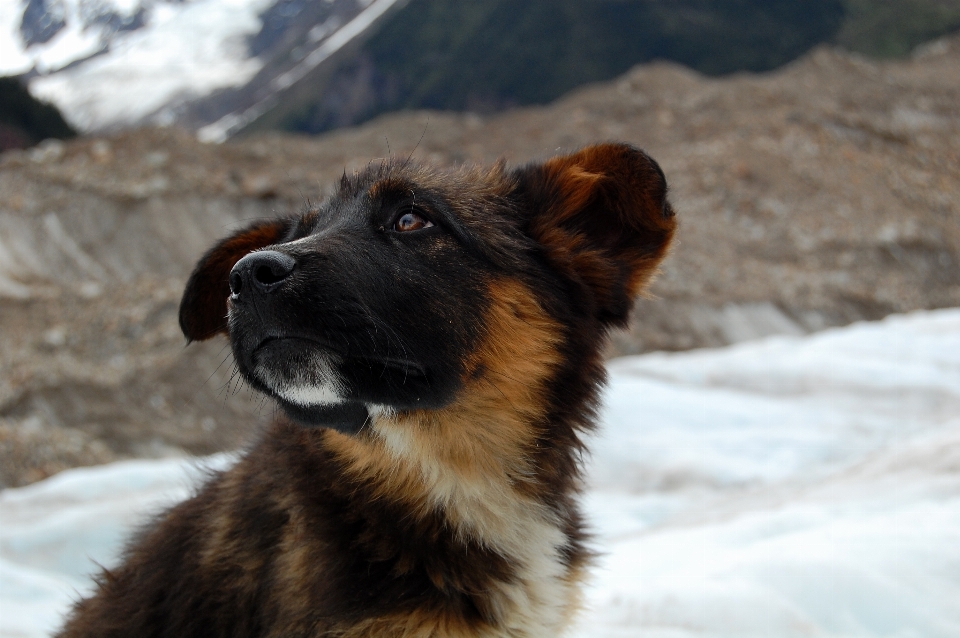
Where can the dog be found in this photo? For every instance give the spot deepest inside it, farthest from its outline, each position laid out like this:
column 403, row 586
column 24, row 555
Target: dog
column 433, row 339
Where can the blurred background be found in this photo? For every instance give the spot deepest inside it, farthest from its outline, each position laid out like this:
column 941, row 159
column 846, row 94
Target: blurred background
column 811, row 148
column 775, row 471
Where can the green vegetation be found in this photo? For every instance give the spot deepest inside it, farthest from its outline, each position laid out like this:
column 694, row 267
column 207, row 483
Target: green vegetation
column 893, row 28
column 485, row 55
column 531, row 52
column 489, row 53
column 24, row 121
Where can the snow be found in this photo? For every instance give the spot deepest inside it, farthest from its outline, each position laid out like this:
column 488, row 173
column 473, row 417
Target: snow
column 186, row 49
column 190, row 50
column 54, row 533
column 80, row 38
column 220, row 130
column 793, row 486
column 786, row 487
column 102, row 79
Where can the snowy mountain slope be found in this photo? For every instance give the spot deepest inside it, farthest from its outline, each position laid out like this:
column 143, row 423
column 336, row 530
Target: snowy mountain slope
column 325, row 40
column 786, row 487
column 47, row 35
column 113, row 63
column 101, row 78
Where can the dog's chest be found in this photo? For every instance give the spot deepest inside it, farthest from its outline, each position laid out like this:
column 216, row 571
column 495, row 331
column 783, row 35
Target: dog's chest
column 544, row 595
column 541, row 593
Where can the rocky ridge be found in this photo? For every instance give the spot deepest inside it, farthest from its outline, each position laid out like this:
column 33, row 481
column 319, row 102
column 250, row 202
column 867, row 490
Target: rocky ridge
column 824, row 193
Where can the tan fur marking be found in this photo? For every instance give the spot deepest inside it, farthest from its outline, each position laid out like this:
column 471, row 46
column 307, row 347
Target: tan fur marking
column 223, row 544
column 299, row 558
column 384, row 185
column 418, row 624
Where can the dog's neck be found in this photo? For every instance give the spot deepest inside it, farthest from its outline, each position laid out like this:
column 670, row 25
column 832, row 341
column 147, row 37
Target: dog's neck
column 477, row 463
column 348, row 417
column 489, row 492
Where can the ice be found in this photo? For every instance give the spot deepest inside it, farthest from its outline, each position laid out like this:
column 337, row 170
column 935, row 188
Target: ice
column 79, row 38
column 223, row 128
column 186, row 49
column 103, row 80
column 189, row 50
column 801, row 486
column 55, row 533
column 13, row 58
column 786, row 487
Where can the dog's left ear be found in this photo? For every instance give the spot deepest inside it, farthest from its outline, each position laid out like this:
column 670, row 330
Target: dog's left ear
column 203, row 308
column 603, row 218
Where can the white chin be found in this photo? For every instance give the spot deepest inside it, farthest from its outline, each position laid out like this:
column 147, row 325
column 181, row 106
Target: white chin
column 308, row 395
column 318, row 385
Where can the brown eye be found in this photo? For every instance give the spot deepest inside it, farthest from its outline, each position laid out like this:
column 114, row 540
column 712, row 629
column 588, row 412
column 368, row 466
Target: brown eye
column 411, row 221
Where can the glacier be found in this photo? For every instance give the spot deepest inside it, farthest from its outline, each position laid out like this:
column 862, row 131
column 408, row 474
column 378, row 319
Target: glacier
column 102, row 80
column 113, row 64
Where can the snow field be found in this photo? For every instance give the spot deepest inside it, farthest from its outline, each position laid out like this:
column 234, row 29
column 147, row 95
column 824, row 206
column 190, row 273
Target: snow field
column 787, row 487
column 186, row 50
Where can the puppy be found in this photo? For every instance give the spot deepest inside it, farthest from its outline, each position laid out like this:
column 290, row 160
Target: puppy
column 433, row 339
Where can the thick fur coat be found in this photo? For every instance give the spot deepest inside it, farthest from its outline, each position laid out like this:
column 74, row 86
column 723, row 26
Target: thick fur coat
column 434, row 341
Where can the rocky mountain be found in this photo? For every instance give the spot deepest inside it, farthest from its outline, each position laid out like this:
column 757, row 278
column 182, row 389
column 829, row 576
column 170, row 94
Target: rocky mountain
column 820, row 194
column 486, row 55
column 221, row 67
column 111, row 64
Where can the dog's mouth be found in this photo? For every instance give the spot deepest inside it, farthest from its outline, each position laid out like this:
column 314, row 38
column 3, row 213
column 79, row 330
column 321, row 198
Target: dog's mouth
column 304, row 344
column 283, row 340
column 406, row 366
column 317, row 382
column 348, row 417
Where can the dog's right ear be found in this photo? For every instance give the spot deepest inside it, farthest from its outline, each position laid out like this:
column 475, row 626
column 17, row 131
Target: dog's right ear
column 203, row 308
column 602, row 217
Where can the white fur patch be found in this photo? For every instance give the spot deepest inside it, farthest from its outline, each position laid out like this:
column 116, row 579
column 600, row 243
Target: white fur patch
column 376, row 410
column 492, row 512
column 316, row 384
column 307, row 395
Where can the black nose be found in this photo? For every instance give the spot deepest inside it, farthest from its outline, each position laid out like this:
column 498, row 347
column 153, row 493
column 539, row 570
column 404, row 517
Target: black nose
column 262, row 271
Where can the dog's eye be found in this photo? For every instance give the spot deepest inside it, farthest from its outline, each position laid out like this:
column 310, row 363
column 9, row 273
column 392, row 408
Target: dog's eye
column 411, row 221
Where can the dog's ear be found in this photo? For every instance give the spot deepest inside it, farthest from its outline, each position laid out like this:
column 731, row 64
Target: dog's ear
column 603, row 218
column 203, row 308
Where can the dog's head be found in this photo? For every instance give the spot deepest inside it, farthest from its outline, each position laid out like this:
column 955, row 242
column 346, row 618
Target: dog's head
column 380, row 298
